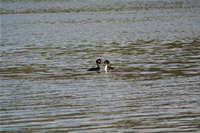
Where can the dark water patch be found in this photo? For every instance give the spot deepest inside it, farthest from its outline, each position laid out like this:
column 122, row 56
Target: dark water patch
column 147, row 60
column 90, row 6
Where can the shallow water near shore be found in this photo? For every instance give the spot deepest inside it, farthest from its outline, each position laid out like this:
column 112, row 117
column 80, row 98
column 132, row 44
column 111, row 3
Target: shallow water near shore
column 47, row 47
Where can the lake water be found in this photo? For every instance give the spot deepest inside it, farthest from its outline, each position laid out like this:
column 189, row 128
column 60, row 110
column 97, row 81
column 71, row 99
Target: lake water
column 47, row 46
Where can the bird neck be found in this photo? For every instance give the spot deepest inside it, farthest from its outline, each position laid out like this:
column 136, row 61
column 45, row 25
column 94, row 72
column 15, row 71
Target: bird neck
column 106, row 67
column 97, row 65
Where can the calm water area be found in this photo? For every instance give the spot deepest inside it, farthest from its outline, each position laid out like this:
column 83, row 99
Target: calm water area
column 48, row 45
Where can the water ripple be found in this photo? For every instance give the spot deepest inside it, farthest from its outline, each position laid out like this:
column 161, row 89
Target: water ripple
column 47, row 47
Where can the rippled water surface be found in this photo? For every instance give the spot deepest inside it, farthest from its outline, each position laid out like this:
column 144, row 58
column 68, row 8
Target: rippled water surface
column 47, row 46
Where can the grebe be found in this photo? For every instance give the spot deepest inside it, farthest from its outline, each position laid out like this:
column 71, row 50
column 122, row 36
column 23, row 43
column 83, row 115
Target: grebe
column 98, row 61
column 107, row 67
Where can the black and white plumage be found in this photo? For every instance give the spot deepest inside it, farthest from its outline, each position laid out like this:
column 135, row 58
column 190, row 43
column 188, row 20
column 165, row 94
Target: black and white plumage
column 107, row 67
column 98, row 61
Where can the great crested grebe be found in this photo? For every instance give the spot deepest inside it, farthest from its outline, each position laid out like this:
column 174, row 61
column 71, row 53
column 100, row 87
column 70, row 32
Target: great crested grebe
column 98, row 61
column 107, row 67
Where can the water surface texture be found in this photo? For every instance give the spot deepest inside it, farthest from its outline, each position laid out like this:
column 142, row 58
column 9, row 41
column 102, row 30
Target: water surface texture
column 47, row 46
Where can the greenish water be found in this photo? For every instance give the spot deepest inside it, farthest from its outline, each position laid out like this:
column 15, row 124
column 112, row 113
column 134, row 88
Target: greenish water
column 47, row 46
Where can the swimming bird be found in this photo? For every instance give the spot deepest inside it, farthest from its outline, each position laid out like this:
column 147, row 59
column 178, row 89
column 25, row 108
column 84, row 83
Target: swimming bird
column 98, row 61
column 107, row 67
